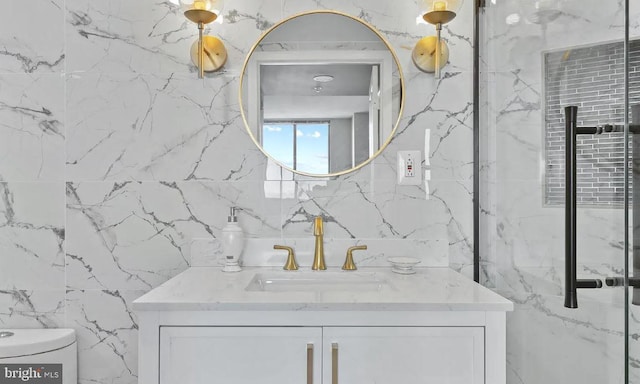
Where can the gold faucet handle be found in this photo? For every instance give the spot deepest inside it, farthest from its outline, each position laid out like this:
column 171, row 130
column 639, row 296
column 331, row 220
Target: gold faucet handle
column 291, row 264
column 349, row 265
column 318, row 227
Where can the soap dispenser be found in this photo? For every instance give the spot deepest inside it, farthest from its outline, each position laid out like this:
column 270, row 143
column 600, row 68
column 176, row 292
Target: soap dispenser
column 232, row 243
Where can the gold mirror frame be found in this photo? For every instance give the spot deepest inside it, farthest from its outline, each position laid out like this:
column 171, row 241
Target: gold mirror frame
column 402, row 93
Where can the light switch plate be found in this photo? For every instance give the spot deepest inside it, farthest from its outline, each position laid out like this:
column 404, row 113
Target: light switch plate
column 409, row 168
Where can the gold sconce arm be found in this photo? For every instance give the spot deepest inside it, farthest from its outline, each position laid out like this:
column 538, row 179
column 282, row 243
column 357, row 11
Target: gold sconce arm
column 349, row 265
column 430, row 55
column 291, row 264
column 207, row 53
column 439, row 63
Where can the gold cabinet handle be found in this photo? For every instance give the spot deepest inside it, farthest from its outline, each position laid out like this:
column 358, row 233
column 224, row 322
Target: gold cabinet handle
column 309, row 363
column 291, row 264
column 349, row 265
column 334, row 363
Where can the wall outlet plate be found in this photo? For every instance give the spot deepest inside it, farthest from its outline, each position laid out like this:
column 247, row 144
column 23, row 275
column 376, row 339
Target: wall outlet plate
column 409, row 168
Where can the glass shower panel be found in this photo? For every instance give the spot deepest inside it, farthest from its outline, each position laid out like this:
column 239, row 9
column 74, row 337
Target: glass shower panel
column 537, row 58
column 633, row 308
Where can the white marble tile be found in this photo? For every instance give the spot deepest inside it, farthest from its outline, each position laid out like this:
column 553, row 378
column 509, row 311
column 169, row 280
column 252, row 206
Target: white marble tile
column 32, row 309
column 634, row 20
column 126, row 36
column 522, row 282
column 456, row 199
column 32, row 236
column 634, row 344
column 107, row 335
column 437, row 213
column 488, row 201
column 258, row 215
column 114, row 37
column 347, row 209
column 139, row 234
column 518, row 46
column 398, row 25
column 541, row 332
column 32, row 37
column 516, row 122
column 529, row 234
column 245, row 21
column 138, row 127
column 127, row 235
column 379, row 171
column 232, row 157
column 32, row 131
column 352, row 210
column 444, row 110
column 538, row 294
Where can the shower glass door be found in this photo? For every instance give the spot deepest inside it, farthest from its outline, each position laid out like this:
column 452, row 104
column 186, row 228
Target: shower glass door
column 536, row 59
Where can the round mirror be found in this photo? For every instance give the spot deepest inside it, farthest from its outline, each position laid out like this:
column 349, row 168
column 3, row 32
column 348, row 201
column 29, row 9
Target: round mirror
column 321, row 93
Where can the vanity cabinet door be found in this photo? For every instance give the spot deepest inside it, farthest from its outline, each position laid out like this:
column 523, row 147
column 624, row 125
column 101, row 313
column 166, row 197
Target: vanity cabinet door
column 406, row 355
column 240, row 355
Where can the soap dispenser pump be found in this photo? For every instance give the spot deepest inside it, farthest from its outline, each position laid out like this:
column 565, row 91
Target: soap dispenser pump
column 232, row 243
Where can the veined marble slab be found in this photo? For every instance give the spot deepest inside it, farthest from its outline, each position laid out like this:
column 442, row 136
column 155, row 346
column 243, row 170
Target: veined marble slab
column 430, row 289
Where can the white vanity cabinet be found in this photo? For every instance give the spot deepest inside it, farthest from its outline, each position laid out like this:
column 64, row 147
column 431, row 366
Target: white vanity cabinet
column 407, row 355
column 240, row 355
column 205, row 326
column 328, row 355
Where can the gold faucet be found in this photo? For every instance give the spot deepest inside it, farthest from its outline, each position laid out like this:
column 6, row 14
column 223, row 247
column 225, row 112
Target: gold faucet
column 318, row 255
column 291, row 264
column 349, row 265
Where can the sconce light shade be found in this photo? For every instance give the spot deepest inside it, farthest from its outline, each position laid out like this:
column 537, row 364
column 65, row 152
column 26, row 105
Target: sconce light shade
column 439, row 11
column 440, row 5
column 214, row 6
column 202, row 11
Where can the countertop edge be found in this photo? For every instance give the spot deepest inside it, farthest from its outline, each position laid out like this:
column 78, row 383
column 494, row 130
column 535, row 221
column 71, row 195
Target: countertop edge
column 240, row 307
column 431, row 289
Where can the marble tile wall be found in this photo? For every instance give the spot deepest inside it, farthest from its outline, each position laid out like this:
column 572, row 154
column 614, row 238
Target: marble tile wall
column 522, row 244
column 114, row 157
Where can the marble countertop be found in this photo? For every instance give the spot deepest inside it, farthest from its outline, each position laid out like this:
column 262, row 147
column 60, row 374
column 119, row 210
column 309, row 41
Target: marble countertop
column 430, row 289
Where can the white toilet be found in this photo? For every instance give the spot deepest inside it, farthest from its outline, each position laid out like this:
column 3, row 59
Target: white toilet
column 47, row 354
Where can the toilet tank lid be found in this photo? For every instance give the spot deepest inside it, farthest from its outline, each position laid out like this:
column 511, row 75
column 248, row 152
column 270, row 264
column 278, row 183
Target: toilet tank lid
column 31, row 341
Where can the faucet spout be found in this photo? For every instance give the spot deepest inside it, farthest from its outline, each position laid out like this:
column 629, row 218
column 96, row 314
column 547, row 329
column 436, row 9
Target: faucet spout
column 318, row 254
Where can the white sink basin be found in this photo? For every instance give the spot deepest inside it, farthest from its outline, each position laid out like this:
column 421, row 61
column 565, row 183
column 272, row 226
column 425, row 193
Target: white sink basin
column 316, row 281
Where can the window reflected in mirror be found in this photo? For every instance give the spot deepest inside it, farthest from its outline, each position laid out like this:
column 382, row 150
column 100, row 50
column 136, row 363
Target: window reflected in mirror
column 301, row 146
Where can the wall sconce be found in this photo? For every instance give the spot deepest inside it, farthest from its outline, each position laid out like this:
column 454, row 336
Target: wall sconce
column 431, row 53
column 208, row 53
